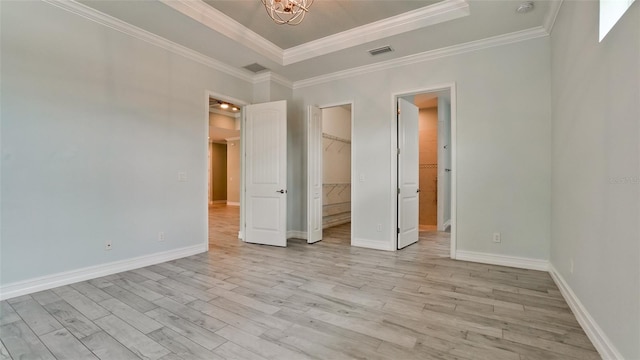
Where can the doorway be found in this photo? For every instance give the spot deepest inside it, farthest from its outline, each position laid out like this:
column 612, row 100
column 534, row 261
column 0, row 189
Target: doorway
column 336, row 171
column 329, row 175
column 224, row 124
column 425, row 164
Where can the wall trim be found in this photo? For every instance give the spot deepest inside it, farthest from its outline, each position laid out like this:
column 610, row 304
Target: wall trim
column 605, row 347
column 416, row 19
column 372, row 244
column 273, row 77
column 96, row 16
column 219, row 201
column 233, row 203
column 216, row 20
column 91, row 272
column 296, row 234
column 476, row 45
column 552, row 14
column 503, row 260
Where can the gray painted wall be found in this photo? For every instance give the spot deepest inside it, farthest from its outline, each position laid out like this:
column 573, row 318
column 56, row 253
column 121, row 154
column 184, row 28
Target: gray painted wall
column 596, row 167
column 504, row 144
column 95, row 127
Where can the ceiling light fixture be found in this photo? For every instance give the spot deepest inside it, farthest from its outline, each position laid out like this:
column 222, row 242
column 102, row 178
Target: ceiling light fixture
column 224, row 106
column 290, row 12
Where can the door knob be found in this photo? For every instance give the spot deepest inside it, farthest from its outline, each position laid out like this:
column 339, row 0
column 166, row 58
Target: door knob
column 447, row 170
column 418, row 190
column 281, row 191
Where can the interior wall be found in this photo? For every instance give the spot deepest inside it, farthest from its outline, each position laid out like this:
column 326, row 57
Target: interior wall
column 336, row 166
column 595, row 212
column 503, row 147
column 218, row 172
column 222, row 121
column 96, row 125
column 233, row 172
column 428, row 166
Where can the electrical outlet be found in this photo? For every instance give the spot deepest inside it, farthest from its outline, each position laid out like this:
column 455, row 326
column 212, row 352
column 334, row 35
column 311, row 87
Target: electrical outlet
column 161, row 236
column 107, row 245
column 571, row 265
column 497, row 238
column 379, row 227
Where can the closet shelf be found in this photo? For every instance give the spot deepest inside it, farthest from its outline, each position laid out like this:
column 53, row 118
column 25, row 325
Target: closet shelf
column 335, row 139
column 331, row 137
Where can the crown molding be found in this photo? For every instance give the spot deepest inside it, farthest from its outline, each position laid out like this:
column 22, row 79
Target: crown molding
column 271, row 76
column 552, row 14
column 216, row 20
column 476, row 45
column 412, row 20
column 109, row 21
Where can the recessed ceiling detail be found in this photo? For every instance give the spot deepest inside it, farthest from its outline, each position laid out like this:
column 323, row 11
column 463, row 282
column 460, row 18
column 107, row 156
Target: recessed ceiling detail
column 431, row 12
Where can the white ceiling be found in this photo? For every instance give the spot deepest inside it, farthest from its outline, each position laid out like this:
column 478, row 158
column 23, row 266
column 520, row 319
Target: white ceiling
column 317, row 47
column 325, row 17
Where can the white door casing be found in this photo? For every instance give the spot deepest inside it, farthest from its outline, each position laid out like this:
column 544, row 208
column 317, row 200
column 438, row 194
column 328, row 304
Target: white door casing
column 444, row 163
column 408, row 170
column 266, row 173
column 314, row 174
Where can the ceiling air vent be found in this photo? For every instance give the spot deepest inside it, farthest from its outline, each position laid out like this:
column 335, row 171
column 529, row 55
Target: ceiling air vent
column 380, row 50
column 255, row 67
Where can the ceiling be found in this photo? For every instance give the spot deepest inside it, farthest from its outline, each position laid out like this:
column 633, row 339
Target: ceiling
column 326, row 17
column 334, row 36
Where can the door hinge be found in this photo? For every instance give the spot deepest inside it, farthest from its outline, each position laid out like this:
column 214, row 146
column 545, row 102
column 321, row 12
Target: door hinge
column 398, row 191
column 398, row 230
column 398, row 151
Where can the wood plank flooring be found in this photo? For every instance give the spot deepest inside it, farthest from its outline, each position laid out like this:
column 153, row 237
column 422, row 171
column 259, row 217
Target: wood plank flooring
column 322, row 301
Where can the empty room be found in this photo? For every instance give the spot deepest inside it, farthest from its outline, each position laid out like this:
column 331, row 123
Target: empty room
column 211, row 179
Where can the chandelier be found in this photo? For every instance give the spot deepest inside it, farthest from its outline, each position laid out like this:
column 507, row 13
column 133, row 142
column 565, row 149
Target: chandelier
column 290, row 12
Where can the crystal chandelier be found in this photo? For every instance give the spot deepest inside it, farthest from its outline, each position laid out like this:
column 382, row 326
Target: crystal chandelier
column 290, row 12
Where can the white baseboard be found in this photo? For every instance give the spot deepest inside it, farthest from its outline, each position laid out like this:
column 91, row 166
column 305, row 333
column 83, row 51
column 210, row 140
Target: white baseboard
column 372, row 244
column 295, row 234
column 233, row 203
column 599, row 339
column 503, row 260
column 69, row 277
column 218, row 202
column 240, row 236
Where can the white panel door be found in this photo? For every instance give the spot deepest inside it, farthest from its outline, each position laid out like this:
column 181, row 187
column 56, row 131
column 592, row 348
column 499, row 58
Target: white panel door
column 407, row 173
column 266, row 173
column 314, row 174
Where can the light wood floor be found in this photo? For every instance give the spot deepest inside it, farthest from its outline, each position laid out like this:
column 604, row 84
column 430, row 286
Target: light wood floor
column 322, row 301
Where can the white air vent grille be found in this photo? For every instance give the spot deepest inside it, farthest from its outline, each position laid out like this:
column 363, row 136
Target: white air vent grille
column 380, row 50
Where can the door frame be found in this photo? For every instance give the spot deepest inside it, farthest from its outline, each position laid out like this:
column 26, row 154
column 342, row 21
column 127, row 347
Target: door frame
column 353, row 158
column 451, row 87
column 240, row 102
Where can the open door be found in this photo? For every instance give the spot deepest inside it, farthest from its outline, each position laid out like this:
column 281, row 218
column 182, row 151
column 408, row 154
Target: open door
column 314, row 174
column 266, row 173
column 408, row 167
